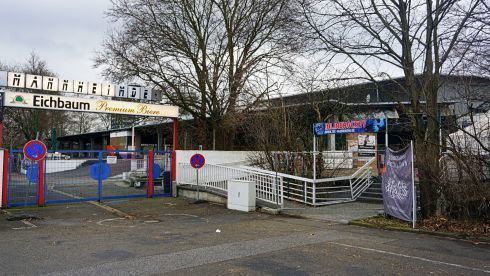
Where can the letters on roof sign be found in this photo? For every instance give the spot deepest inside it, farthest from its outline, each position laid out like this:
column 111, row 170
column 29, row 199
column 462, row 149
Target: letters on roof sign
column 53, row 84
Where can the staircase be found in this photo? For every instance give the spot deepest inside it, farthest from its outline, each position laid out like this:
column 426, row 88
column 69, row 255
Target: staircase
column 373, row 194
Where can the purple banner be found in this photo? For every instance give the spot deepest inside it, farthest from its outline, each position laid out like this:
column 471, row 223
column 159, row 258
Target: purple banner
column 397, row 184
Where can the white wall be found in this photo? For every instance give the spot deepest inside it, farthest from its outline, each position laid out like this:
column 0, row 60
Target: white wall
column 214, row 156
column 53, row 166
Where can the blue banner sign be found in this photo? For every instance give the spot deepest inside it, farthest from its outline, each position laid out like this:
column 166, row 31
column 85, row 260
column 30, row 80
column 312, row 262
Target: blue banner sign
column 367, row 125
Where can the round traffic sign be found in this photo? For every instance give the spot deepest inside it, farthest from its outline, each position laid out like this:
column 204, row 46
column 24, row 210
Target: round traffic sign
column 197, row 161
column 100, row 171
column 35, row 150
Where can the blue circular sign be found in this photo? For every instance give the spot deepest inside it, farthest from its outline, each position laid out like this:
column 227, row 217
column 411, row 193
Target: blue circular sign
column 100, row 171
column 32, row 172
column 35, row 150
column 156, row 171
column 197, row 161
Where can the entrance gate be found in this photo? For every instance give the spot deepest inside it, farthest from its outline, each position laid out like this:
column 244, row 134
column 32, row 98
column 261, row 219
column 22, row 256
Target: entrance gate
column 83, row 175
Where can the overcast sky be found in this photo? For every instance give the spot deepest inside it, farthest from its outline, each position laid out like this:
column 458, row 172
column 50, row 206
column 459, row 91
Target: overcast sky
column 65, row 33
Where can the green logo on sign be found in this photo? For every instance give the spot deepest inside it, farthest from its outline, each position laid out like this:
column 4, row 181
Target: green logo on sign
column 18, row 99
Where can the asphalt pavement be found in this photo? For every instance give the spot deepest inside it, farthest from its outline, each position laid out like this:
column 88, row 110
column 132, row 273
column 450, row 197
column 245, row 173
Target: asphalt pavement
column 171, row 236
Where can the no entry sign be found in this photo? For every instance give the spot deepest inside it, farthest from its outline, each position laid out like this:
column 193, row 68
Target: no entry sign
column 197, row 161
column 35, row 150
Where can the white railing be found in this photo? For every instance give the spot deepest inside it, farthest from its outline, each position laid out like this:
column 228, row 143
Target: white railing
column 361, row 180
column 268, row 186
column 325, row 191
column 274, row 187
column 138, row 164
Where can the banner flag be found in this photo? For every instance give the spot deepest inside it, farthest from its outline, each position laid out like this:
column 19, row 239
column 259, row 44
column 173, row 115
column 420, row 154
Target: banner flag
column 397, row 184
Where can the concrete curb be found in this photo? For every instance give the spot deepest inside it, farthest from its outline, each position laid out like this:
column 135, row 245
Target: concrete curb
column 419, row 231
column 270, row 211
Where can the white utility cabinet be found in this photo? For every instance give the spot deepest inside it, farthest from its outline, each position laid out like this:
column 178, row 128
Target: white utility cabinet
column 241, row 195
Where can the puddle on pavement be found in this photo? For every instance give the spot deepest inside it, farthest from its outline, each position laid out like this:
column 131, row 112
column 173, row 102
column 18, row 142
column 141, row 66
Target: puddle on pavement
column 23, row 217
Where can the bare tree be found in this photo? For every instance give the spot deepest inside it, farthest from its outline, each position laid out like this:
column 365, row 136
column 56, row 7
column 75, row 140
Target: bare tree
column 466, row 162
column 104, row 121
column 409, row 37
column 209, row 57
column 22, row 125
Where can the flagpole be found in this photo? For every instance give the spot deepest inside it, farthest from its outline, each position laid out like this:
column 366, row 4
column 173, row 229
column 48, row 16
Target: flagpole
column 414, row 192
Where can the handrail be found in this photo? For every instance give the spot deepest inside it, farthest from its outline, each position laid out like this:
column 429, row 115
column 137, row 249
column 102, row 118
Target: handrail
column 309, row 180
column 364, row 166
column 240, row 169
column 278, row 174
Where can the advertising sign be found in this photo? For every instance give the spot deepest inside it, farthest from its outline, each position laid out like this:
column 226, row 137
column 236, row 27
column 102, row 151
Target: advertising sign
column 111, row 159
column 366, row 144
column 359, row 126
column 55, row 102
column 397, row 184
column 53, row 84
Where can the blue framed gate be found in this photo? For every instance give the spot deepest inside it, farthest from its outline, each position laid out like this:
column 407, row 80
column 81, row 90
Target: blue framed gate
column 85, row 175
column 22, row 187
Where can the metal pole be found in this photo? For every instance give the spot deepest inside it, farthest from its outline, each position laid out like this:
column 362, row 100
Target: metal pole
column 41, row 200
column 150, row 185
column 306, row 191
column 4, row 187
column 386, row 133
column 132, row 138
column 99, row 178
column 53, row 139
column 1, row 118
column 414, row 192
column 132, row 143
column 314, row 155
column 197, row 183
column 175, row 143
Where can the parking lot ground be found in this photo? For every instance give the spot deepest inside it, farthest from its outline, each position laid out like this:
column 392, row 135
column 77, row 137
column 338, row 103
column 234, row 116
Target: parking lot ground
column 171, row 236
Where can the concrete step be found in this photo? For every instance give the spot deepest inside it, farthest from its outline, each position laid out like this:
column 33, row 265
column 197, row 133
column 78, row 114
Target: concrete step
column 374, row 186
column 367, row 199
column 372, row 195
column 374, row 190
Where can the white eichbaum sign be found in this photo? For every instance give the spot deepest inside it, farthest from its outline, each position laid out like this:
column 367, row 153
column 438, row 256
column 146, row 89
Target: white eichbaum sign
column 53, row 84
column 47, row 101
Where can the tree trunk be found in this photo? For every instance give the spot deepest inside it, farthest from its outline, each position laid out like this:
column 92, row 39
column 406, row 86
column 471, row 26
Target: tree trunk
column 202, row 132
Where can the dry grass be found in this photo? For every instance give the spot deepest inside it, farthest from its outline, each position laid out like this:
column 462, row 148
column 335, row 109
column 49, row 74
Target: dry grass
column 469, row 228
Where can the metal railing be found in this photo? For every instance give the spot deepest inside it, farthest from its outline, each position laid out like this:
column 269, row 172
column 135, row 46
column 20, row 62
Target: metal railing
column 268, row 186
column 325, row 191
column 273, row 187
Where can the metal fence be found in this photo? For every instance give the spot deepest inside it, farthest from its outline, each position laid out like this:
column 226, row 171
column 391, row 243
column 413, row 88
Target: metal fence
column 73, row 176
column 22, row 188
